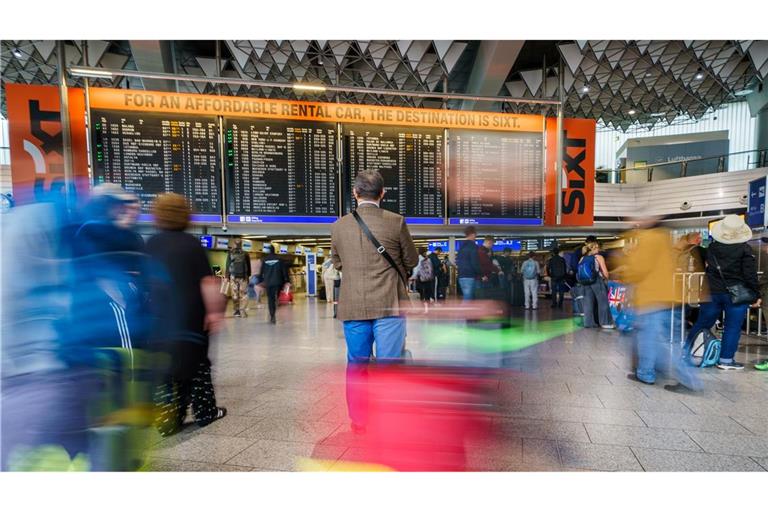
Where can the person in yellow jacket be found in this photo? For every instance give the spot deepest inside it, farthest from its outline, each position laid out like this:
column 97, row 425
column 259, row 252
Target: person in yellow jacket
column 649, row 270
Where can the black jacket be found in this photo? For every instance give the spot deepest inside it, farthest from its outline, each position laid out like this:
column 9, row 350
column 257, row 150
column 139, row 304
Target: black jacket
column 273, row 271
column 737, row 263
column 468, row 261
column 556, row 267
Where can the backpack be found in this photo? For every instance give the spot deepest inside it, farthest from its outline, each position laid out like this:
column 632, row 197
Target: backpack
column 237, row 263
column 586, row 273
column 425, row 272
column 557, row 267
column 529, row 269
column 704, row 350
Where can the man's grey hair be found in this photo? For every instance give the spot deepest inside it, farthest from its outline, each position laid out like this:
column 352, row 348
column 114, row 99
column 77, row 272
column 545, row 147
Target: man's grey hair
column 369, row 185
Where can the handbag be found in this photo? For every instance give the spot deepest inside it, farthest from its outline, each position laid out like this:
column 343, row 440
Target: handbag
column 225, row 288
column 739, row 293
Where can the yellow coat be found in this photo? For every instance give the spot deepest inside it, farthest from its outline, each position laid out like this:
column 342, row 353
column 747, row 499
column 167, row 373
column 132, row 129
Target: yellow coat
column 650, row 267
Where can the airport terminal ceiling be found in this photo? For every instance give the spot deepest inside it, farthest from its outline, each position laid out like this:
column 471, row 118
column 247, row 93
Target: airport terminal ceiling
column 619, row 83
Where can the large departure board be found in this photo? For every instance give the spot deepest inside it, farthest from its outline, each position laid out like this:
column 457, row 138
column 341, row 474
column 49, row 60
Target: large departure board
column 496, row 177
column 411, row 161
column 151, row 154
column 281, row 171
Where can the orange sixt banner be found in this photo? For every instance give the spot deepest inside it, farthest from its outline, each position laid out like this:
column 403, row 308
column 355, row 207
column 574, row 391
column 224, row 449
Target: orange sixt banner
column 578, row 172
column 232, row 106
column 36, row 142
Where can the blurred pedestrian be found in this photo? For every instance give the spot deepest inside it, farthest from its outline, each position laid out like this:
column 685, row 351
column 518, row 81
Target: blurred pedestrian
column 255, row 289
column 374, row 249
column 733, row 285
column 489, row 271
column 557, row 269
column 330, row 275
column 593, row 276
column 439, row 270
column 424, row 277
column 531, row 272
column 468, row 264
column 238, row 270
column 274, row 277
column 191, row 309
column 649, row 268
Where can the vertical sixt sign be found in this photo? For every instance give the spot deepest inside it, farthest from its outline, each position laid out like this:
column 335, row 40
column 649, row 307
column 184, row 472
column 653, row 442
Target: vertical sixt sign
column 36, row 141
column 577, row 170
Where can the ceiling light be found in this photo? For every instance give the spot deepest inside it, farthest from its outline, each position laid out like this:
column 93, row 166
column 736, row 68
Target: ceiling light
column 307, row 87
column 658, row 114
column 632, row 112
column 699, row 76
column 16, row 53
column 585, row 89
column 744, row 92
column 90, row 72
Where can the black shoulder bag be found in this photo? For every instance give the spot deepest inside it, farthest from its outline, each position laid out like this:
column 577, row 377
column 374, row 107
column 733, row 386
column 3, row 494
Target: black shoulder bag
column 379, row 248
column 739, row 293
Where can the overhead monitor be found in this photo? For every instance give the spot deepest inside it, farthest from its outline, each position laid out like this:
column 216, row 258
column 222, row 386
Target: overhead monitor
column 411, row 161
column 151, row 154
column 496, row 177
column 281, row 171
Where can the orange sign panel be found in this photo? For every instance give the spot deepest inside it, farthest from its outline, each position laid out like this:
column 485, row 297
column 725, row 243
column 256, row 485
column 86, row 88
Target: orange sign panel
column 578, row 172
column 36, row 141
column 232, row 106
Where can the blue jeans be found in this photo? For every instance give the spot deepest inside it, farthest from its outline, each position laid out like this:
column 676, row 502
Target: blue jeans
column 388, row 335
column 734, row 317
column 655, row 351
column 467, row 287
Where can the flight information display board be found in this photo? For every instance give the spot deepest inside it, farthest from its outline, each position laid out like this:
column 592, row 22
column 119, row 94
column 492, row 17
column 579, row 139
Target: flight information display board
column 281, row 171
column 411, row 162
column 496, row 177
column 151, row 154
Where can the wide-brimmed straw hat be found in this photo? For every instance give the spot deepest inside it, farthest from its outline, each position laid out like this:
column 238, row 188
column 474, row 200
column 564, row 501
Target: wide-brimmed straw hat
column 731, row 230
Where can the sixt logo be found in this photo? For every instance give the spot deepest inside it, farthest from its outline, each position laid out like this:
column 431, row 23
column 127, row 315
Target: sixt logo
column 574, row 182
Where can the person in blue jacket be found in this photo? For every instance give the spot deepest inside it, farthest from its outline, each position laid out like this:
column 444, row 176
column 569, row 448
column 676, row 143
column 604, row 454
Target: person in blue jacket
column 468, row 263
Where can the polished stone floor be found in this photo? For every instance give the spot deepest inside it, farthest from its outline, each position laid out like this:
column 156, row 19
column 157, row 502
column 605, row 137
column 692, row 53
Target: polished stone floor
column 566, row 404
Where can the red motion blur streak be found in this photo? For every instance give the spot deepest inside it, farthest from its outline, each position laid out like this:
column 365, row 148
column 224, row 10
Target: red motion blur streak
column 456, row 309
column 423, row 418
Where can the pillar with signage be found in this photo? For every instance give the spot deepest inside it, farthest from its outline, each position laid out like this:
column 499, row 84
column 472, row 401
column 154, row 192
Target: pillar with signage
column 756, row 214
column 311, row 273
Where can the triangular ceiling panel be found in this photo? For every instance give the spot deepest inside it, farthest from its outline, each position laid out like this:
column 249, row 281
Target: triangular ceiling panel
column 45, row 48
column 758, row 52
column 568, row 79
column 339, row 49
column 321, row 43
column 300, row 48
column 532, row 79
column 96, row 50
column 452, row 55
column 599, row 48
column 403, row 46
column 424, row 68
column 208, row 65
column 417, row 51
column 442, row 47
column 259, row 47
column 378, row 49
column 572, row 55
column 582, row 44
column 516, row 88
column 642, row 46
column 114, row 60
column 240, row 55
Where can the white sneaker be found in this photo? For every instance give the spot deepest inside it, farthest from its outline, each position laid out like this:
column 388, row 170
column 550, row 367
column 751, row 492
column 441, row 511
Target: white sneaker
column 612, row 326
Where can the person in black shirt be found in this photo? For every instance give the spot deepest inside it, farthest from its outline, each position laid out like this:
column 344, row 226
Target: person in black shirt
column 189, row 308
column 557, row 270
column 274, row 276
column 730, row 262
column 238, row 271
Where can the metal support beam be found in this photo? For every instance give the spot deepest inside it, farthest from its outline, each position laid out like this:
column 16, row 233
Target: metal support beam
column 560, row 148
column 154, row 56
column 493, row 63
column 66, row 135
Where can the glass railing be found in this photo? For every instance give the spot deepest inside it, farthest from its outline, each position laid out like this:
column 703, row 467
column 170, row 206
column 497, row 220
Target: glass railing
column 752, row 159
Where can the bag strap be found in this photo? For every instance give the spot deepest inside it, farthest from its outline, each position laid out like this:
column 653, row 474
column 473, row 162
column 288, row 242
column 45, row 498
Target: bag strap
column 379, row 248
column 717, row 264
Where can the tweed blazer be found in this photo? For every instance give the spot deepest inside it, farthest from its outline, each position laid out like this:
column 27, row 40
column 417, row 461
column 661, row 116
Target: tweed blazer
column 370, row 287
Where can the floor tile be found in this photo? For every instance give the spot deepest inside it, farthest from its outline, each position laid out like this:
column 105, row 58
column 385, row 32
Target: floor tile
column 755, row 425
column 205, row 448
column 691, row 422
column 279, row 429
column 731, row 444
column 533, row 429
column 559, row 398
column 282, row 455
column 184, row 465
column 229, row 425
column 669, row 460
column 540, row 452
column 641, row 437
column 597, row 457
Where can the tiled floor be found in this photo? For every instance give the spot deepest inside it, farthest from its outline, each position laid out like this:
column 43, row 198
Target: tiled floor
column 566, row 404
